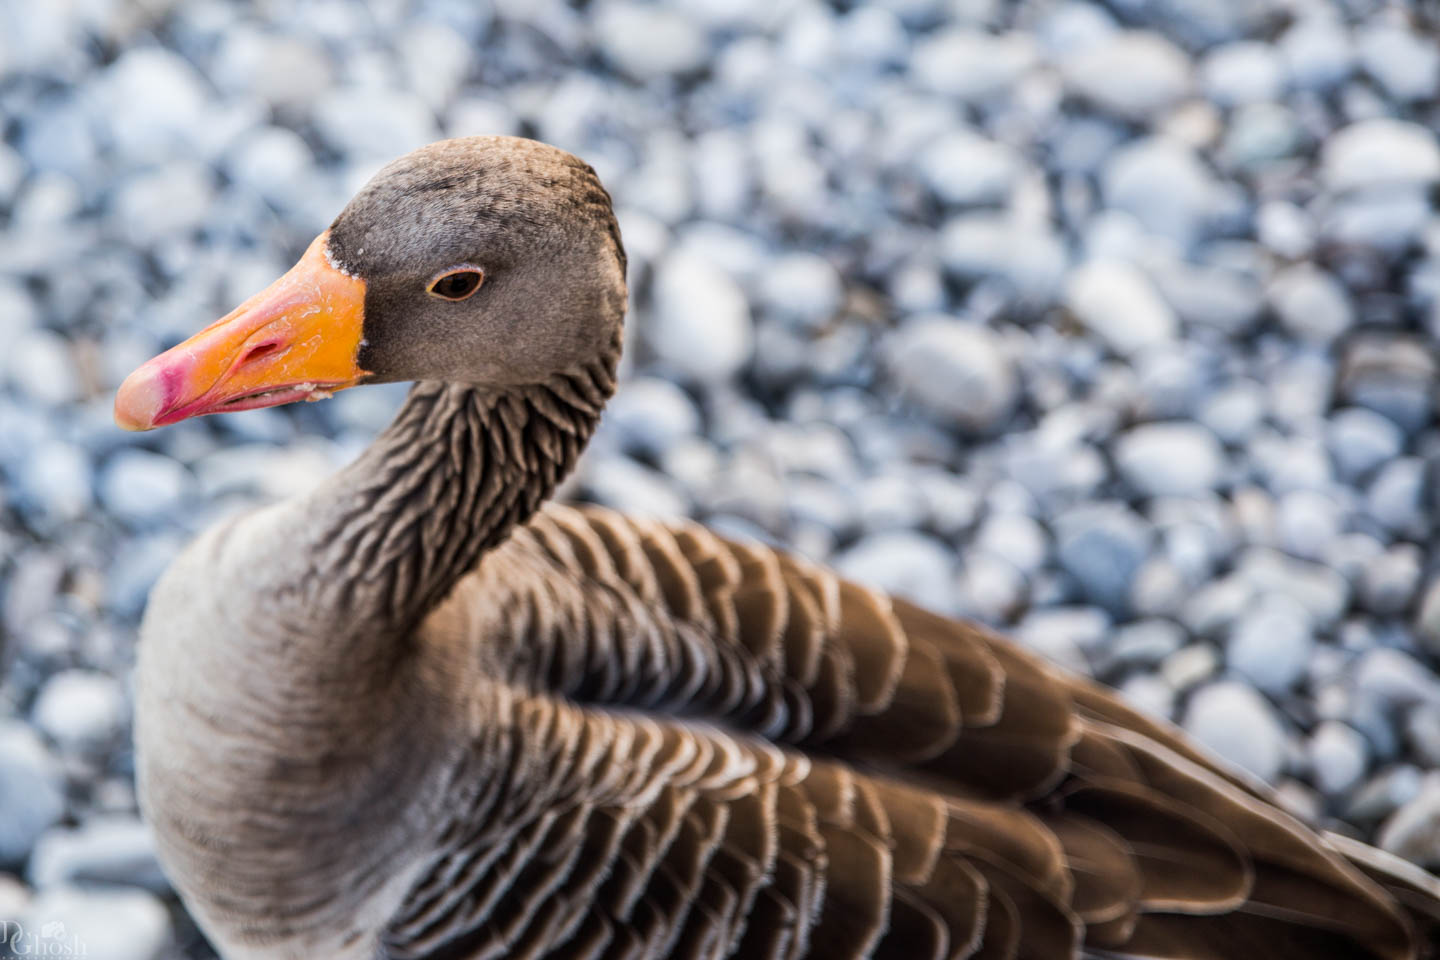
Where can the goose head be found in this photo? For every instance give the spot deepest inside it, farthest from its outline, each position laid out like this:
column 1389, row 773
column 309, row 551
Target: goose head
column 489, row 261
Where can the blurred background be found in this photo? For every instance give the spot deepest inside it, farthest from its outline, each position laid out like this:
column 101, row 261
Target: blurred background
column 1112, row 324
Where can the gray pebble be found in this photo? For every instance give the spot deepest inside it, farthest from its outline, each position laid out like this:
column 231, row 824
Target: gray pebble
column 1310, row 303
column 1065, row 634
column 990, row 588
column 1406, row 65
column 80, row 709
column 104, row 851
column 1322, row 592
column 1236, row 722
column 1102, row 546
column 1233, row 412
column 1396, row 498
column 1149, row 694
column 1307, row 523
column 1160, row 589
column 958, row 370
column 1240, row 73
column 1413, row 831
column 1338, row 756
column 1271, row 643
column 1392, row 375
column 1388, row 585
column 1170, row 459
column 1360, row 440
column 972, row 64
column 1165, row 186
column 1014, row 537
column 904, row 563
column 1317, row 52
column 141, row 487
column 39, row 364
column 1133, row 74
column 1427, row 620
column 1030, row 258
column 31, row 791
column 802, row 287
column 117, row 924
column 1119, row 304
column 963, row 168
column 700, row 323
column 650, row 415
column 1384, row 794
column 1395, row 677
column 1380, row 153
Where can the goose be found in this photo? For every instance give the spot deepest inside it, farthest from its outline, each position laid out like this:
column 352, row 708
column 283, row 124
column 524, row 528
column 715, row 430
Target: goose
column 423, row 712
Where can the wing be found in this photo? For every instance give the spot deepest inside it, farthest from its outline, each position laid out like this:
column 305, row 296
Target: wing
column 713, row 749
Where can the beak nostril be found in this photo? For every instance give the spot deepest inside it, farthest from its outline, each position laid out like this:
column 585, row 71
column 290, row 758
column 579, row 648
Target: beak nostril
column 258, row 351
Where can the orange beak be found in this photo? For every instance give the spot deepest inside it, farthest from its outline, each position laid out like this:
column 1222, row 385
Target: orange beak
column 298, row 339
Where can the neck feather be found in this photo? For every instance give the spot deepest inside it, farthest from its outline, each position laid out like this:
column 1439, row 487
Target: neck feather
column 448, row 480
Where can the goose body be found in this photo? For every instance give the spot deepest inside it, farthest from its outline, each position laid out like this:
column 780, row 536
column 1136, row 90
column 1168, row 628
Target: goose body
column 421, row 713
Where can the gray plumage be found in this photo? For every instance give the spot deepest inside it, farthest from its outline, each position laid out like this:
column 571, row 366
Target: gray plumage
column 419, row 713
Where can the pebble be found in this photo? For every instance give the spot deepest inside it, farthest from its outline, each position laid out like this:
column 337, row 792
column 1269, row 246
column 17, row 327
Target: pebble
column 1362, row 440
column 103, row 851
column 1014, row 537
column 1413, row 831
column 1407, row 66
column 1119, row 304
column 957, row 370
column 142, row 487
column 1163, row 184
column 965, row 169
column 80, row 709
column 908, row 564
column 1271, row 643
column 1233, row 413
column 1310, row 303
column 802, row 287
column 1102, row 547
column 56, row 481
column 1241, row 73
column 1065, row 634
column 651, row 415
column 1391, row 580
column 31, row 791
column 1307, row 523
column 649, row 42
column 1395, row 677
column 1379, row 153
column 700, row 323
column 40, row 365
column 373, row 126
column 1322, row 592
column 1427, row 622
column 1132, row 73
column 1235, row 722
column 1028, row 257
column 1146, row 642
column 990, row 589
column 112, row 924
column 970, row 64
column 623, row 484
column 1392, row 375
column 1317, row 53
column 1170, row 459
column 1396, row 498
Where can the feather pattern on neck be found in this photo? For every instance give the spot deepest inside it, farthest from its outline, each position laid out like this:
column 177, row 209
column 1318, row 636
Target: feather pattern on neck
column 450, row 478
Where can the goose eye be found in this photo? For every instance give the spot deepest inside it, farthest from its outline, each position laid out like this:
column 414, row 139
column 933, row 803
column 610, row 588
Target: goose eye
column 457, row 284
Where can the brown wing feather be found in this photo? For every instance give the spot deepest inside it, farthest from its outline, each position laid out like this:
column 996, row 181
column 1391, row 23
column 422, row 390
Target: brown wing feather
column 718, row 750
